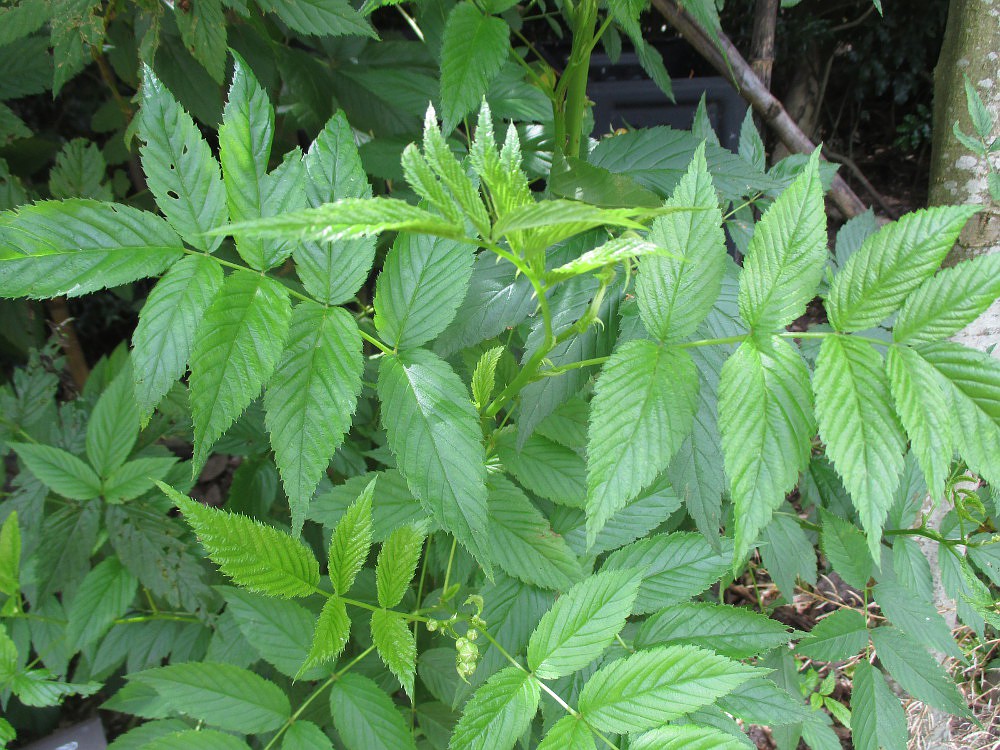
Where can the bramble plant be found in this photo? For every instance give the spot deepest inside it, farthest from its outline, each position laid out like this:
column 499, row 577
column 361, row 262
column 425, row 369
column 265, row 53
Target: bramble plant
column 514, row 478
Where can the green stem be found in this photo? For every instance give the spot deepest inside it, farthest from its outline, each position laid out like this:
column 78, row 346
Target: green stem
column 371, row 607
column 574, row 80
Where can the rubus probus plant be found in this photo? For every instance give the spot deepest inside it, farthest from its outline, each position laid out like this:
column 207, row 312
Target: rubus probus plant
column 514, row 478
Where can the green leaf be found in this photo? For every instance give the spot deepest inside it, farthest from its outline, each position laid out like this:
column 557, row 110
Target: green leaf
column 164, row 338
column 916, row 617
column 180, row 170
column 569, row 733
column 787, row 552
column 257, row 557
column 877, row 716
column 544, row 467
column 454, row 176
column 731, row 631
column 892, row 263
column 136, row 739
column 434, row 433
column 643, row 407
column 862, row 434
column 577, row 180
column 75, row 247
column 836, row 637
column 421, row 285
column 617, row 250
column 396, row 646
column 10, row 555
column 582, row 624
column 675, row 567
column 766, row 422
column 761, row 701
column 332, row 631
column 844, row 545
column 917, row 672
column 473, row 49
column 203, row 30
column 555, row 220
column 304, row 735
column 676, row 293
column 652, row 687
column 498, row 713
column 484, row 377
column 787, row 255
column 76, row 29
column 221, row 695
column 522, row 543
column 105, row 595
column 946, row 303
column 79, row 172
column 321, row 17
column 365, row 716
column 22, row 19
column 309, row 402
column 924, row 412
column 113, row 427
column 58, row 470
column 686, row 737
column 350, row 542
column 236, row 349
column 971, row 380
column 397, row 562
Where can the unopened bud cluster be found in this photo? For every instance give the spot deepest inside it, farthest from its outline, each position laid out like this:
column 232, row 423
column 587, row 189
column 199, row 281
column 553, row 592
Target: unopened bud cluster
column 466, row 651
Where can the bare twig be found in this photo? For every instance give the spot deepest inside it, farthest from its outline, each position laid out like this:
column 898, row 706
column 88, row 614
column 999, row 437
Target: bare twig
column 63, row 325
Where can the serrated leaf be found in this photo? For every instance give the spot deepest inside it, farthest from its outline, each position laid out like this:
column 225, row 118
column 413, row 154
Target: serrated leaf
column 569, row 733
column 788, row 553
column 892, row 263
column 761, row 701
column 652, row 687
column 675, row 567
column 351, row 541
column 396, row 646
column 548, row 222
column 78, row 246
column 617, row 250
column 861, row 431
column 836, row 637
column 766, row 422
column 309, row 402
column 180, row 170
column 676, row 293
column 136, row 477
column 583, row 623
column 423, row 280
column 643, row 407
column 685, row 737
column 203, row 30
column 58, row 470
column 731, row 631
column 236, row 348
column 484, row 377
column 397, row 562
column 79, row 172
column 917, row 672
column 304, row 735
column 333, row 627
column 522, row 543
column 434, row 433
column 197, row 739
column 877, row 717
column 113, row 427
column 10, row 555
column 321, row 17
column 787, row 254
column 498, row 713
column 844, row 544
column 221, row 695
column 545, row 467
column 164, row 337
column 917, row 618
column 258, row 557
column 947, row 302
column 365, row 716
column 454, row 176
column 473, row 49
column 106, row 593
column 136, row 739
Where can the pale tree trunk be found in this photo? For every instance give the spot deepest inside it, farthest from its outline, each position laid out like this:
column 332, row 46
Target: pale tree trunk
column 971, row 48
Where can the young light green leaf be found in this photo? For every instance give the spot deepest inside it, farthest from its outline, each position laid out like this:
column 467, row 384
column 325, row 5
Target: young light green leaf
column 861, row 431
column 843, row 544
column 257, row 557
column 892, row 263
column 675, row 567
column 58, row 470
column 731, row 631
column 643, row 407
column 113, row 427
column 836, row 637
column 484, row 377
column 676, row 293
column 321, row 17
column 686, row 737
column 332, row 631
column 917, row 671
column 309, row 402
column 877, row 717
column 10, row 555
column 785, row 260
column 164, row 337
column 453, row 175
column 498, row 713
column 434, row 433
column 397, row 562
column 221, row 695
column 365, row 716
column 947, row 302
column 350, row 542
column 547, row 222
column 79, row 246
column 235, row 351
column 583, row 622
column 766, row 422
column 617, row 250
column 652, row 687
column 427, row 185
column 917, row 618
column 105, row 595
column 396, row 646
column 421, row 285
column 569, row 733
column 180, row 170
column 473, row 49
